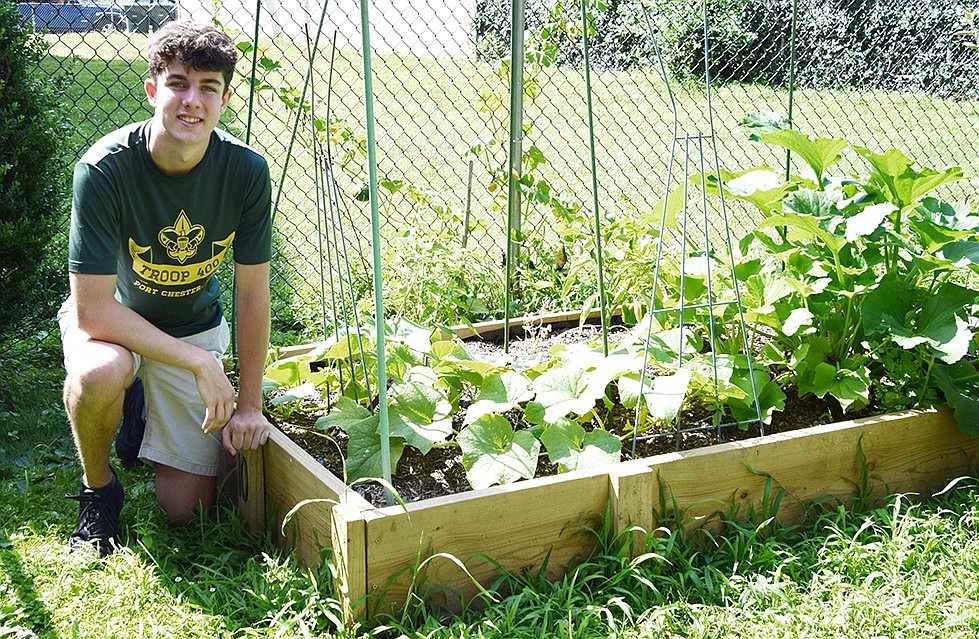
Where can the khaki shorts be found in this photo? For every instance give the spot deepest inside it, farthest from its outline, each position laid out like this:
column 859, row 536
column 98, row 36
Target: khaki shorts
column 174, row 410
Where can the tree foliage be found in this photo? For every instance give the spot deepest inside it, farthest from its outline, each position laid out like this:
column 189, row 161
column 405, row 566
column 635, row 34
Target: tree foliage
column 34, row 180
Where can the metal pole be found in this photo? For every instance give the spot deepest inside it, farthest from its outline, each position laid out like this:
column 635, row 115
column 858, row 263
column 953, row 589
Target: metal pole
column 594, row 181
column 792, row 29
column 516, row 156
column 382, row 402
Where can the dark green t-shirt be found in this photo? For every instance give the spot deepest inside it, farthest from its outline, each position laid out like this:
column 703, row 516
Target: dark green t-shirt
column 163, row 236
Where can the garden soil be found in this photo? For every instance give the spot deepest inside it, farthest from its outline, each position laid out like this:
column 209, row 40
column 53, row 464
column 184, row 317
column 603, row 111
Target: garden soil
column 440, row 472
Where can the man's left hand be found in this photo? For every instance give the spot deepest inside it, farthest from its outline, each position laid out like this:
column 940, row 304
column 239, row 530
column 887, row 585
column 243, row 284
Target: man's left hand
column 247, row 429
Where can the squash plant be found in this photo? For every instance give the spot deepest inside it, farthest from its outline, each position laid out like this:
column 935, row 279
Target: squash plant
column 860, row 288
column 865, row 283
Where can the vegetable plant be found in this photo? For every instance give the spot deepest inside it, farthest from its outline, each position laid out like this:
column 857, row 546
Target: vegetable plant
column 858, row 287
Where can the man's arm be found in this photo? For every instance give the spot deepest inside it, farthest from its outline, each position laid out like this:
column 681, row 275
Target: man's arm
column 248, row 427
column 103, row 318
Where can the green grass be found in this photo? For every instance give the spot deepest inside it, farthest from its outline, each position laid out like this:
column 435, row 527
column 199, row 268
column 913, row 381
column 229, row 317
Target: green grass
column 429, row 112
column 875, row 567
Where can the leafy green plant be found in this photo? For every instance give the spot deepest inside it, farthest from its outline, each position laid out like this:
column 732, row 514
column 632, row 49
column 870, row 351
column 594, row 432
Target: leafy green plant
column 35, row 170
column 862, row 281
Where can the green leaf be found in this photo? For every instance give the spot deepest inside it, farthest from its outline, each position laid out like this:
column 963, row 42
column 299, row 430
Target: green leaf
column 415, row 336
column 663, row 394
column 805, row 229
column 799, row 322
column 960, row 385
column 419, row 414
column 911, row 316
column 770, row 395
column 757, row 124
column 950, row 215
column 962, row 254
column 364, row 451
column 898, row 182
column 851, row 387
column 364, row 439
column 493, row 453
column 284, row 372
column 345, row 414
column 868, row 220
column 819, row 154
column 809, row 202
column 572, row 448
column 499, row 393
column 562, row 390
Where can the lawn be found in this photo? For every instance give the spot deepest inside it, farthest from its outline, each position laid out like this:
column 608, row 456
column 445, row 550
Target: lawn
column 874, row 567
column 871, row 567
column 430, row 112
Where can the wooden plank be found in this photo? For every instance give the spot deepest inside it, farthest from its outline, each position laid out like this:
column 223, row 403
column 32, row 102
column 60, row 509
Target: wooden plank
column 293, row 476
column 632, row 490
column 350, row 559
column 915, row 451
column 490, row 329
column 250, row 481
column 525, row 526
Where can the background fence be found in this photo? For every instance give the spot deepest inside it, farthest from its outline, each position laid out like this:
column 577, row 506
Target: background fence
column 894, row 73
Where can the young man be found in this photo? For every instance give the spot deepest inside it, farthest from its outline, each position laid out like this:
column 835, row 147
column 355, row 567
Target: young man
column 156, row 207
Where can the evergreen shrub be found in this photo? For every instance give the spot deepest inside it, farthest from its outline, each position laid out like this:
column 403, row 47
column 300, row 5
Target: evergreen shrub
column 34, row 182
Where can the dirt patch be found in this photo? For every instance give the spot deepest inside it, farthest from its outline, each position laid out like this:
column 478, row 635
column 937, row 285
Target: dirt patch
column 440, row 472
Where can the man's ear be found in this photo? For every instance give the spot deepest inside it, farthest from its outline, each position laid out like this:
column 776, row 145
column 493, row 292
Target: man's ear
column 226, row 99
column 149, row 85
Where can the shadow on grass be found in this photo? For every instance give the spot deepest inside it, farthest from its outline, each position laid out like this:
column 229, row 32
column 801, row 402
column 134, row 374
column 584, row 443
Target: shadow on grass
column 32, row 613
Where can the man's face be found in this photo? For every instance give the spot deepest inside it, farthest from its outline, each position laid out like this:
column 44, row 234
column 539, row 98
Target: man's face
column 188, row 104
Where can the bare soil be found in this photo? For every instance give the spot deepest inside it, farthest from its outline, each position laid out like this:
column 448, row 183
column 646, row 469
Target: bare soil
column 440, row 472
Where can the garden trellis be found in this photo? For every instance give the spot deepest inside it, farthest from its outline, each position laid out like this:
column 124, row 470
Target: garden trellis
column 442, row 89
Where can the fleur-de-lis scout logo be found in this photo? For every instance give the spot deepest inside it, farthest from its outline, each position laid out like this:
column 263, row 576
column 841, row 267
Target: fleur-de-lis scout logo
column 182, row 239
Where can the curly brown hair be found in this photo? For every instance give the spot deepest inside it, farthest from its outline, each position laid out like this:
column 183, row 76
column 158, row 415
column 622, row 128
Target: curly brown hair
column 197, row 46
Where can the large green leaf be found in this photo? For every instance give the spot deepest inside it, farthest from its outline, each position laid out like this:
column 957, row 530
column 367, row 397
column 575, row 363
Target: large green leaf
column 805, row 229
column 761, row 187
column 912, row 316
column 572, row 448
column 868, row 220
column 819, row 153
column 416, row 337
column 950, row 215
column 663, row 395
column 810, row 202
column 345, row 414
column 577, row 383
column 364, row 439
column 850, row 386
column 960, row 384
column 419, row 414
column 962, row 254
column 499, row 393
column 770, row 395
column 899, row 182
column 494, row 453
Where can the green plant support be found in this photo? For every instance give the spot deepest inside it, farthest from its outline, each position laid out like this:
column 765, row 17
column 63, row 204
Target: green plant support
column 516, row 153
column 382, row 402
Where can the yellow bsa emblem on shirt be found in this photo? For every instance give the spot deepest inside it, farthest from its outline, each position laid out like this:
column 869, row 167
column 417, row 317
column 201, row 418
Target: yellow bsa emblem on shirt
column 182, row 241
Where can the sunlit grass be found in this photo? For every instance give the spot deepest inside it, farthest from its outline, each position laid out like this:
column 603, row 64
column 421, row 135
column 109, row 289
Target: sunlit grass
column 875, row 567
column 429, row 112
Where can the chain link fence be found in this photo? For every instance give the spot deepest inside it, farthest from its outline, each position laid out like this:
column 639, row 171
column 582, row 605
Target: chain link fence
column 880, row 73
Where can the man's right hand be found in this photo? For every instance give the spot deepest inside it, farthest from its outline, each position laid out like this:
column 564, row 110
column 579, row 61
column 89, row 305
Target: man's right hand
column 216, row 392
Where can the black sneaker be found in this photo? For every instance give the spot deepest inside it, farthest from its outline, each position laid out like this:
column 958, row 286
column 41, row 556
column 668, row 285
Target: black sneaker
column 130, row 435
column 98, row 518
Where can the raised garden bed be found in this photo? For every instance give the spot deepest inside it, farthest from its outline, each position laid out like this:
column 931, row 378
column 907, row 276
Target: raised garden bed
column 530, row 523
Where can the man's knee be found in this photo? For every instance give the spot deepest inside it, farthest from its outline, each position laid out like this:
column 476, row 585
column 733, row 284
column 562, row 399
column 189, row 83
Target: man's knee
column 184, row 496
column 102, row 372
